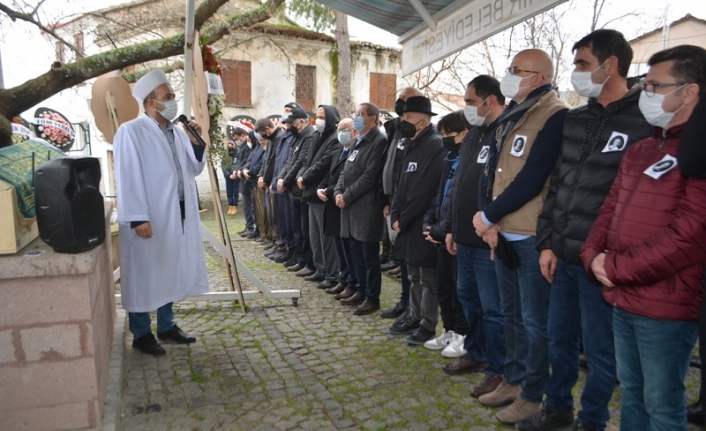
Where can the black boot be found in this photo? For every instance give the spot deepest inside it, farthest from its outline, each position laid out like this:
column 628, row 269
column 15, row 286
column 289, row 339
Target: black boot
column 694, row 414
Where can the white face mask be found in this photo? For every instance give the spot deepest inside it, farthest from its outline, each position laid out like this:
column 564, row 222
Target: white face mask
column 510, row 85
column 344, row 137
column 651, row 108
column 471, row 114
column 320, row 124
column 170, row 109
column 583, row 83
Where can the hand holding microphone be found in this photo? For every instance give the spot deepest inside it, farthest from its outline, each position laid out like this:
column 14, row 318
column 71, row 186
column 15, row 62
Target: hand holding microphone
column 193, row 130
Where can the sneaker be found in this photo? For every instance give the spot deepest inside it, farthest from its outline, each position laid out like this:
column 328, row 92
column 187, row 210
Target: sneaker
column 440, row 342
column 486, row 385
column 580, row 426
column 503, row 394
column 547, row 419
column 517, row 411
column 455, row 348
column 421, row 336
column 403, row 325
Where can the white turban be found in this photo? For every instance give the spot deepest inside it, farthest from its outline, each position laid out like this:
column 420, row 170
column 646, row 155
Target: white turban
column 145, row 85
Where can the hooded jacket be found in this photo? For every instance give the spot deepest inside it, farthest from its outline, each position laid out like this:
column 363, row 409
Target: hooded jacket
column 319, row 160
column 420, row 173
column 268, row 164
column 653, row 231
column 297, row 156
column 586, row 169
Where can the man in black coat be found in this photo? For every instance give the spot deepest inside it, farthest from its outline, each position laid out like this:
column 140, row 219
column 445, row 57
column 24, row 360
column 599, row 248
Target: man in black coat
column 356, row 193
column 420, row 172
column 347, row 281
column 310, row 175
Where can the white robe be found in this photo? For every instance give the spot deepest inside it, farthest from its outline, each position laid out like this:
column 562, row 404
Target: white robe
column 171, row 264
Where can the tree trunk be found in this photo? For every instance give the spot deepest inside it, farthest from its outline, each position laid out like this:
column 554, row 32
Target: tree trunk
column 343, row 78
column 14, row 101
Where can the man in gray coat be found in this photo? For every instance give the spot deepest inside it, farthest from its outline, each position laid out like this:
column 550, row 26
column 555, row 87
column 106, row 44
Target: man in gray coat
column 361, row 205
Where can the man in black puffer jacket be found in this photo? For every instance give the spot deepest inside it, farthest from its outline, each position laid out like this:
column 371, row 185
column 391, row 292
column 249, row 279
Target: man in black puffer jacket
column 595, row 138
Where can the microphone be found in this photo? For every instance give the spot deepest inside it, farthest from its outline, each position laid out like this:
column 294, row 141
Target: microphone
column 185, row 122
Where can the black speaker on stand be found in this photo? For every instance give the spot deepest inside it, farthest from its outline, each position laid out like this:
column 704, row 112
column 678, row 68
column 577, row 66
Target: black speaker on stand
column 70, row 213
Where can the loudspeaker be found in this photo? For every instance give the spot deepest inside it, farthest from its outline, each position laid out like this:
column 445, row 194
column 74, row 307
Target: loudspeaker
column 69, row 204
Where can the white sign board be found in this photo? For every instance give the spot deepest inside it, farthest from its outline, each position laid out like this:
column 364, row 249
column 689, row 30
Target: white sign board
column 215, row 84
column 471, row 23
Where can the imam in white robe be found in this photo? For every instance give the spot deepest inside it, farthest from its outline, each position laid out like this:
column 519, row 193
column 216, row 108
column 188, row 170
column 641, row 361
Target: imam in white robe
column 171, row 264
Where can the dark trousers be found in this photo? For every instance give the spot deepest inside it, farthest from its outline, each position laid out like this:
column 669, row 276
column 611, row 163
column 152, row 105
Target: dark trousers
column 261, row 213
column 452, row 316
column 248, row 206
column 271, row 205
column 232, row 190
column 702, row 352
column 366, row 262
column 300, row 229
column 347, row 275
column 284, row 219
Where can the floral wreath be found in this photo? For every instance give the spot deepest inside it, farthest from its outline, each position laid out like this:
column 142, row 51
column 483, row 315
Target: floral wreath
column 217, row 151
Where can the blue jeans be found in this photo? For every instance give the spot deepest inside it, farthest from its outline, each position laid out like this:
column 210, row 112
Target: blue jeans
column 366, row 263
column 524, row 299
column 141, row 324
column 479, row 295
column 652, row 358
column 578, row 311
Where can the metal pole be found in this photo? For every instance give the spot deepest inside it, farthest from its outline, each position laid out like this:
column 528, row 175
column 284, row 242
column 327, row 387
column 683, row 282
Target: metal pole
column 188, row 55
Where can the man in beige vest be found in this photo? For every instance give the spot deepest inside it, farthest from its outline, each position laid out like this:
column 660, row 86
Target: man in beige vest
column 516, row 180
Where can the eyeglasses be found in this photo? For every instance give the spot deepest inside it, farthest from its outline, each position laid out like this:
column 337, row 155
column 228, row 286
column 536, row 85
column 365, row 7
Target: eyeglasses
column 650, row 87
column 512, row 70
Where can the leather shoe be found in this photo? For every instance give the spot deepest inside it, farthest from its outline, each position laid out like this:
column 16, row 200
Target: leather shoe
column 367, row 307
column 147, row 344
column 176, row 335
column 395, row 271
column 336, row 289
column 269, row 246
column 356, row 299
column 486, row 385
column 389, row 265
column 326, row 284
column 694, row 414
column 294, row 268
column 393, row 312
column 316, row 276
column 291, row 262
column 304, row 272
column 463, row 365
column 347, row 293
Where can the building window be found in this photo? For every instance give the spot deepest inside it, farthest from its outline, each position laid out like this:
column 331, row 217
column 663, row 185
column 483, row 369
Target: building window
column 237, row 82
column 60, row 51
column 78, row 43
column 306, row 86
column 383, row 90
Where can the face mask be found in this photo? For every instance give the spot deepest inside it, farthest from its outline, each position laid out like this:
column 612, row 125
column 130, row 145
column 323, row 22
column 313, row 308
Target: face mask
column 583, row 84
column 471, row 114
column 651, row 108
column 359, row 124
column 450, row 143
column 293, row 129
column 258, row 136
column 239, row 143
column 170, row 109
column 284, row 116
column 407, row 129
column 399, row 107
column 344, row 137
column 320, row 124
column 510, row 85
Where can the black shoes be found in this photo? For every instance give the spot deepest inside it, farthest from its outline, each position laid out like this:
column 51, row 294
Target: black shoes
column 326, row 284
column 149, row 345
column 695, row 414
column 285, row 256
column 420, row 336
column 403, row 325
column 176, row 335
column 389, row 265
column 254, row 235
column 316, row 276
column 547, row 419
column 394, row 312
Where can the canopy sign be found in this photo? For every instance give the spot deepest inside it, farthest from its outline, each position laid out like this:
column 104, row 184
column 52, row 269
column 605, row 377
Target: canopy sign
column 470, row 23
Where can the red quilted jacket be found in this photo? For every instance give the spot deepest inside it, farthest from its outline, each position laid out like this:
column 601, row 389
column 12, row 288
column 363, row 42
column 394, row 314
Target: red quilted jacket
column 653, row 231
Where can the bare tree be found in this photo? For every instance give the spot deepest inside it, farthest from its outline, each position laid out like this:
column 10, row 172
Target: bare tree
column 62, row 76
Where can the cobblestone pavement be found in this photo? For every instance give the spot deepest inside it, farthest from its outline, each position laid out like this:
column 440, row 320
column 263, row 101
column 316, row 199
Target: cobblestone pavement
column 311, row 367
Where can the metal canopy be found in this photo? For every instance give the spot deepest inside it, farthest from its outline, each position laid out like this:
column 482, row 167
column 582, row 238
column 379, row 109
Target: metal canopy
column 430, row 30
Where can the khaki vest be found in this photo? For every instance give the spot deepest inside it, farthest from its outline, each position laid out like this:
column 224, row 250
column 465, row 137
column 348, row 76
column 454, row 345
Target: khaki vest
column 518, row 142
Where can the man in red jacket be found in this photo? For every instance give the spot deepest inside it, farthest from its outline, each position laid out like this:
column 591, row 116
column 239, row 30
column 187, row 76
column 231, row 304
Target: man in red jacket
column 648, row 247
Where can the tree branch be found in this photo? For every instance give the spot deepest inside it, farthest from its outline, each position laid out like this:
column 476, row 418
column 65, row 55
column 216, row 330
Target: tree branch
column 29, row 17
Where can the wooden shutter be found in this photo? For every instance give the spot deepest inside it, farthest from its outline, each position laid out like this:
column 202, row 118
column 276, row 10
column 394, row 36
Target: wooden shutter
column 383, row 90
column 306, row 86
column 78, row 43
column 237, row 82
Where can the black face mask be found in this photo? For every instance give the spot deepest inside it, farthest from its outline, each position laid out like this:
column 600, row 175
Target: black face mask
column 293, row 130
column 407, row 129
column 399, row 107
column 449, row 143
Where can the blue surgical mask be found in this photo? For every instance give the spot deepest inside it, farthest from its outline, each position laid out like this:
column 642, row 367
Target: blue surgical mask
column 359, row 124
column 344, row 137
